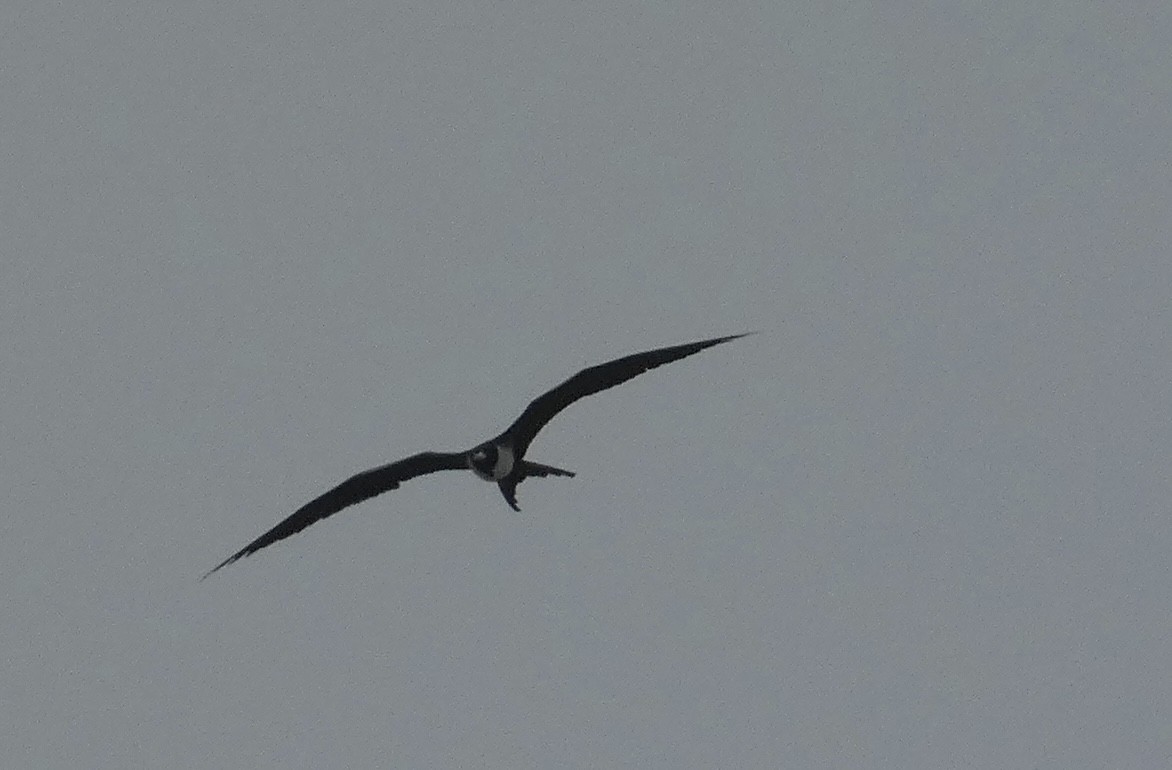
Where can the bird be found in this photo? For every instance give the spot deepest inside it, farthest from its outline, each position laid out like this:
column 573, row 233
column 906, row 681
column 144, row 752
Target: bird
column 501, row 459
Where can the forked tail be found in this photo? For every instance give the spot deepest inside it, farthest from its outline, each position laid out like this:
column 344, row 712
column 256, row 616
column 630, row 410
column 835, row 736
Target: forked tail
column 509, row 483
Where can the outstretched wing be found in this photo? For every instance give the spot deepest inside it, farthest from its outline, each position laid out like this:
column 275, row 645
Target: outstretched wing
column 353, row 490
column 597, row 378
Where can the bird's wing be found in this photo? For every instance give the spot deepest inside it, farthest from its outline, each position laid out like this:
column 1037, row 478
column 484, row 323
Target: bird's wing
column 353, row 490
column 597, row 378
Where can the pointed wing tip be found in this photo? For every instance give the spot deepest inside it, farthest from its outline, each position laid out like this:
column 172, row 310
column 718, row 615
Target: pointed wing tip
column 702, row 344
column 221, row 565
column 727, row 338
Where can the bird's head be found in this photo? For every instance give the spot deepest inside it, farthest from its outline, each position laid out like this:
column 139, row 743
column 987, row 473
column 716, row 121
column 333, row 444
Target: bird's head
column 483, row 459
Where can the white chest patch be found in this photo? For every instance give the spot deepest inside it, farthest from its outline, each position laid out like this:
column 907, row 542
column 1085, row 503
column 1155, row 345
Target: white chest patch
column 504, row 462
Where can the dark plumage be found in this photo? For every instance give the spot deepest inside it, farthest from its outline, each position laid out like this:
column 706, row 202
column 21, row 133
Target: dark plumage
column 500, row 460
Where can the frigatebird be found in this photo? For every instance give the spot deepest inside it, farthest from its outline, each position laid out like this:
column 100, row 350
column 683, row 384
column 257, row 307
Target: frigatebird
column 501, row 460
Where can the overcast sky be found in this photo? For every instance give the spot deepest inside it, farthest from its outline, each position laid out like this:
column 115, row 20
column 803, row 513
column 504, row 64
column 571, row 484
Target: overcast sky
column 920, row 521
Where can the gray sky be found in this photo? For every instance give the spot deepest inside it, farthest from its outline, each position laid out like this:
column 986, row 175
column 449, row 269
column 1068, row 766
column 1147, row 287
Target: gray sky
column 920, row 521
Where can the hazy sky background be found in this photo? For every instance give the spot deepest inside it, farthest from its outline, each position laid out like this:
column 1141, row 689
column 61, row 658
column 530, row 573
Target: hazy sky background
column 921, row 521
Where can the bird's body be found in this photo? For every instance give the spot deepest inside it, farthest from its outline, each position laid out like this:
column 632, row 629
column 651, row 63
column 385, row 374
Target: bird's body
column 500, row 460
column 491, row 461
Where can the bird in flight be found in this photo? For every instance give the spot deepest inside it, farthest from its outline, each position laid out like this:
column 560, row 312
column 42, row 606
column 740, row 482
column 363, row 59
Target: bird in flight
column 501, row 460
